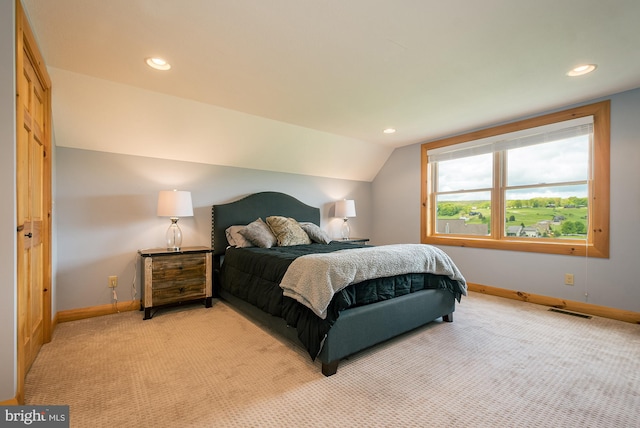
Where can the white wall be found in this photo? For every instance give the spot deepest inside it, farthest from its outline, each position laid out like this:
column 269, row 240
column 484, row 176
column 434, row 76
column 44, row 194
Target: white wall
column 105, row 208
column 8, row 207
column 100, row 115
column 609, row 282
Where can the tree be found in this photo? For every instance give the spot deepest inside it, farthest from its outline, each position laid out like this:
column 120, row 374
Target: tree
column 512, row 218
column 568, row 228
column 448, row 210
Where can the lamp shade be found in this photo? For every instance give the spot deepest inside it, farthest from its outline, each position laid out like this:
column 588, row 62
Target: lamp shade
column 174, row 203
column 346, row 208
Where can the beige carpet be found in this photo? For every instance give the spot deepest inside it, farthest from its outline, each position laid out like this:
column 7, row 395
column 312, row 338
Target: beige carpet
column 501, row 363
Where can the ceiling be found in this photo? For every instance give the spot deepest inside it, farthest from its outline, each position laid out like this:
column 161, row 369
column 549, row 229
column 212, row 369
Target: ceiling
column 338, row 72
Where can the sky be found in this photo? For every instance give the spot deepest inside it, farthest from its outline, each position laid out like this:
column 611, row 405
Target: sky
column 563, row 161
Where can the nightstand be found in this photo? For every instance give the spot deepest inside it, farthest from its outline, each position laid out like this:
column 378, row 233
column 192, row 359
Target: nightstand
column 354, row 240
column 173, row 277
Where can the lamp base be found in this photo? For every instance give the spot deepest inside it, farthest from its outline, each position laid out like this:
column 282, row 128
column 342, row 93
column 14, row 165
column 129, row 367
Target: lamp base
column 346, row 230
column 174, row 236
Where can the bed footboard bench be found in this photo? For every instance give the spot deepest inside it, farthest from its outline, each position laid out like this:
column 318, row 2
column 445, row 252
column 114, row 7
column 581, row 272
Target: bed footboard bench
column 362, row 327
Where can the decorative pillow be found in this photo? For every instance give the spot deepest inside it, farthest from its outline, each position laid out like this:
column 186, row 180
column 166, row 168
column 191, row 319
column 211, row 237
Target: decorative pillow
column 259, row 234
column 235, row 239
column 315, row 233
column 287, row 231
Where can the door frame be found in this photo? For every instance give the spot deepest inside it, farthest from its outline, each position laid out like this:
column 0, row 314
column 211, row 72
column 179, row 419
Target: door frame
column 26, row 42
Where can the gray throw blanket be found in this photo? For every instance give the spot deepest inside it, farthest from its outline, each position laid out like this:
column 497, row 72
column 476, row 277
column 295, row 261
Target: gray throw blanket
column 313, row 279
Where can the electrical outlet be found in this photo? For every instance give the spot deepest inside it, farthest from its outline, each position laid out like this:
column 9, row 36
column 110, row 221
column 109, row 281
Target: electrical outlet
column 113, row 281
column 568, row 278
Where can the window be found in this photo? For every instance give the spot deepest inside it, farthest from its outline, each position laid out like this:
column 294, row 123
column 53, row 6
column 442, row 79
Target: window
column 539, row 185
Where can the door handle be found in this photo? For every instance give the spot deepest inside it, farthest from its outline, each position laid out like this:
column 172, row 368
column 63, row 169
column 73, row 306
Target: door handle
column 29, row 235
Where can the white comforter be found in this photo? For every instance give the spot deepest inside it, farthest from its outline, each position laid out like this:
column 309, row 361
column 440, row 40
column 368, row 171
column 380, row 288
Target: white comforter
column 313, row 279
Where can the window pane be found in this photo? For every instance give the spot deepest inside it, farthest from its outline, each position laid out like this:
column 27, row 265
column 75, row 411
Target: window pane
column 547, row 212
column 464, row 213
column 475, row 172
column 553, row 162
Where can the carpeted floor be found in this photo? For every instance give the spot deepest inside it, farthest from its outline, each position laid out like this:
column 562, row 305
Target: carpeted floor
column 501, row 363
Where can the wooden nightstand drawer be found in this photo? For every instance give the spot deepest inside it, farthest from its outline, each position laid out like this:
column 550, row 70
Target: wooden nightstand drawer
column 170, row 270
column 175, row 277
column 177, row 293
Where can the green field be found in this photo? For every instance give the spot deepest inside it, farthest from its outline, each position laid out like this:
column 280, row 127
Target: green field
column 476, row 213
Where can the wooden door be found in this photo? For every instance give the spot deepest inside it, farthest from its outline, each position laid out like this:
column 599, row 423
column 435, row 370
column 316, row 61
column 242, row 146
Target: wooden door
column 33, row 187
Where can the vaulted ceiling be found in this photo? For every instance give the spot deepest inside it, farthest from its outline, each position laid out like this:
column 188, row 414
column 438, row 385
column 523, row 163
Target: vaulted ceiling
column 307, row 86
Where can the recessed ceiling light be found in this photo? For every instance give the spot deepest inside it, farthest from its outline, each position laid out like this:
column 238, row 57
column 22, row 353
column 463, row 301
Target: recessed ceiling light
column 158, row 63
column 389, row 131
column 581, row 69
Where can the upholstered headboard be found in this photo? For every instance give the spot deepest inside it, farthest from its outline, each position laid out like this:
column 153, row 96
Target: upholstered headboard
column 251, row 207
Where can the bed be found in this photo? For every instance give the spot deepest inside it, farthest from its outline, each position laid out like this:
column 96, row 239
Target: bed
column 357, row 317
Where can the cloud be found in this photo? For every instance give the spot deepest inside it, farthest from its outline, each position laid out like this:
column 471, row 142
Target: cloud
column 564, row 163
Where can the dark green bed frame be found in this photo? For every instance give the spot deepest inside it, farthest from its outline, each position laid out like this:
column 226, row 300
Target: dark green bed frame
column 357, row 328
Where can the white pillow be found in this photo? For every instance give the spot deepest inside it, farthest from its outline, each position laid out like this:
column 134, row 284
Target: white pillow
column 235, row 238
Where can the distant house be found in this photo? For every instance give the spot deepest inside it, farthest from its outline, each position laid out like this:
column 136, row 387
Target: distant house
column 544, row 227
column 514, row 230
column 530, row 232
